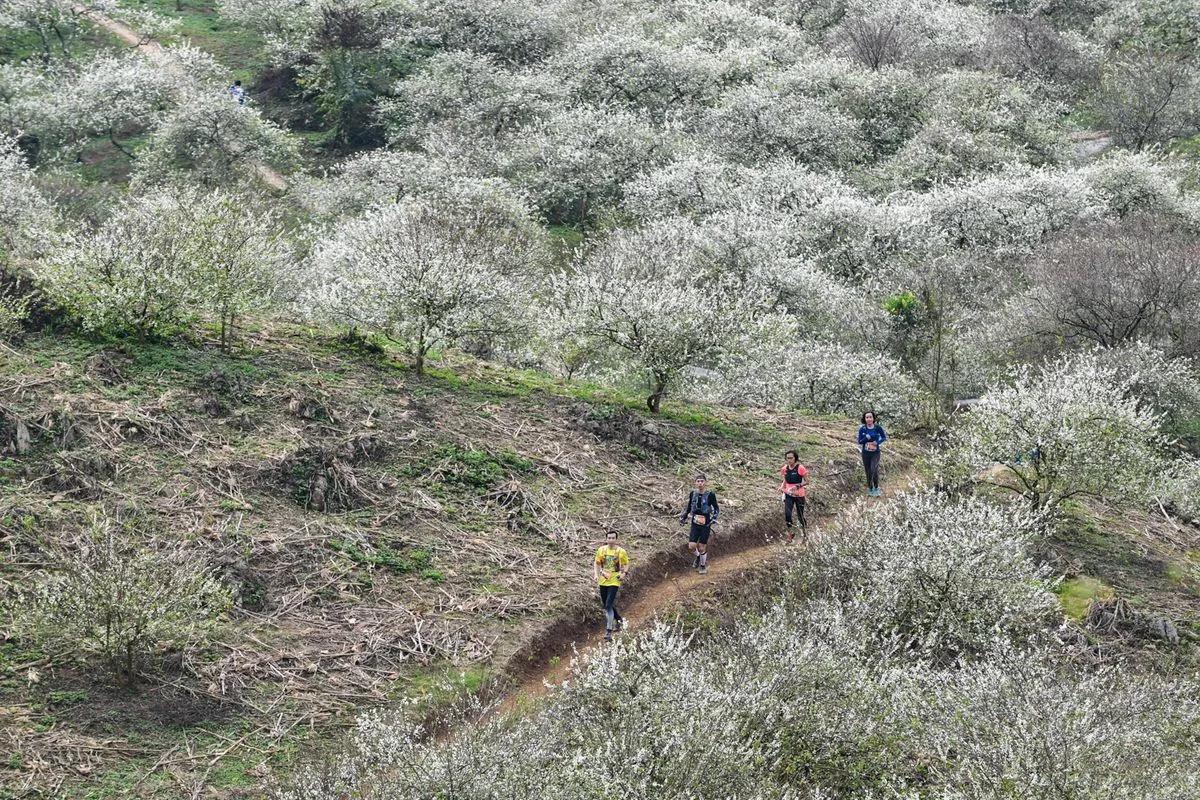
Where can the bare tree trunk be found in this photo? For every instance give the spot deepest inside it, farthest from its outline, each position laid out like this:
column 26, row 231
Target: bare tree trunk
column 658, row 389
column 422, row 347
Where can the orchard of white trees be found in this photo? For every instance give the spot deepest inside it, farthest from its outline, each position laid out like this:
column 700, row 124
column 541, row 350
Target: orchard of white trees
column 815, row 205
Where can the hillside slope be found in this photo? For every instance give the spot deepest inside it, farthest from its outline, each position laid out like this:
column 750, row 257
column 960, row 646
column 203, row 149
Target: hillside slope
column 384, row 534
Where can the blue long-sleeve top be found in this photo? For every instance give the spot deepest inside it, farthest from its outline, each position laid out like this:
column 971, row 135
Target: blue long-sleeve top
column 875, row 434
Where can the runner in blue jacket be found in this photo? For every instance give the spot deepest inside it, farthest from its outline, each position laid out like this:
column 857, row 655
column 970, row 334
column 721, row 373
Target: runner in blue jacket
column 870, row 436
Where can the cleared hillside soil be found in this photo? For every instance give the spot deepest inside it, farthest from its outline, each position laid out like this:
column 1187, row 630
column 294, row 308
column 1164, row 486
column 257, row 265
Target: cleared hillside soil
column 384, row 533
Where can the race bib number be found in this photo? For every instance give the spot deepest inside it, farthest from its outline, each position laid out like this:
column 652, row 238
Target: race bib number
column 872, row 446
column 700, row 519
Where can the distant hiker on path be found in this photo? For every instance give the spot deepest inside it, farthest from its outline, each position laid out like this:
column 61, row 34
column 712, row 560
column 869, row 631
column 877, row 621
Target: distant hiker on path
column 791, row 491
column 702, row 510
column 870, row 437
column 236, row 92
column 610, row 568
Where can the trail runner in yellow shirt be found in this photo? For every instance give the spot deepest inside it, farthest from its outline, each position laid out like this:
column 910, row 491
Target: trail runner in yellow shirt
column 610, row 568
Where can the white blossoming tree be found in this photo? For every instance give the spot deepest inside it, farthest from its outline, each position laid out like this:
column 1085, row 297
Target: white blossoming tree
column 162, row 259
column 1069, row 428
column 213, row 140
column 117, row 93
column 30, row 227
column 120, row 594
column 760, row 121
column 57, row 23
column 577, row 161
column 468, row 94
column 238, row 254
column 952, row 578
column 429, row 272
column 649, row 294
column 29, row 219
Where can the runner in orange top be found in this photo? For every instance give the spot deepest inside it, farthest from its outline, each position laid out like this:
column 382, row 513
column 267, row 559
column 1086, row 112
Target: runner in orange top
column 795, row 481
column 609, row 568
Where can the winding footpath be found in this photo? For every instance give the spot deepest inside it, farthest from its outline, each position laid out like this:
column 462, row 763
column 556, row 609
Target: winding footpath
column 158, row 55
column 755, row 545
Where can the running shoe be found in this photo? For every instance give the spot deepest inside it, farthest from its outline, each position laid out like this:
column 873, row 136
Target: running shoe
column 696, row 562
column 608, row 636
column 704, row 570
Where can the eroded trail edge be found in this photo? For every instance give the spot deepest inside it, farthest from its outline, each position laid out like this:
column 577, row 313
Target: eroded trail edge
column 664, row 580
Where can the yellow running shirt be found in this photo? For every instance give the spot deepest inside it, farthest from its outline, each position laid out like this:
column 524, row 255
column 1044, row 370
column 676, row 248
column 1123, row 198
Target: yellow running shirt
column 611, row 560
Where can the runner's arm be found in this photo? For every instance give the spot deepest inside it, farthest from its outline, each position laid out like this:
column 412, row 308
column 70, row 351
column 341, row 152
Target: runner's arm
column 716, row 509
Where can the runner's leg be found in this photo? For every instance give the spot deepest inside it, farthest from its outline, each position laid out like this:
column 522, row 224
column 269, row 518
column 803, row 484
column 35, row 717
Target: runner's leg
column 609, row 594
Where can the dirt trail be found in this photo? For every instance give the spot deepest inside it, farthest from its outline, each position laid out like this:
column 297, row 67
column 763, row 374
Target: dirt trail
column 158, row 55
column 752, row 545
column 724, row 570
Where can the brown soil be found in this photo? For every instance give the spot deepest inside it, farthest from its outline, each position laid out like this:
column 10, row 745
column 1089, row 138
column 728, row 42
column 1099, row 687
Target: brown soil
column 668, row 581
column 461, row 510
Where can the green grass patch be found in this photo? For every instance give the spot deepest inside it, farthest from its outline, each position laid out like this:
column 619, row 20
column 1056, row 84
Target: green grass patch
column 401, row 561
column 474, row 467
column 100, row 162
column 1075, row 594
column 439, row 686
column 66, row 697
column 1184, row 574
column 232, row 44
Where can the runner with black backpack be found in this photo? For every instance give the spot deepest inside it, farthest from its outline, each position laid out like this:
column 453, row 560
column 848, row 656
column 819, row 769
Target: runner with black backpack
column 702, row 510
column 791, row 491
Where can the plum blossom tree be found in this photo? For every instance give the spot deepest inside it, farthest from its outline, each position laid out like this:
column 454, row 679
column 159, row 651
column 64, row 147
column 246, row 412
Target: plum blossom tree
column 120, row 594
column 29, row 218
column 758, row 122
column 467, row 94
column 162, row 259
column 575, row 164
column 276, row 18
column 429, row 272
column 951, row 578
column 928, row 34
column 1071, row 427
column 513, row 31
column 216, row 142
column 238, row 256
column 817, row 375
column 617, row 67
column 116, row 95
column 976, row 122
column 30, row 229
column 1009, row 213
column 702, row 183
column 1126, row 184
column 649, row 294
column 57, row 23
